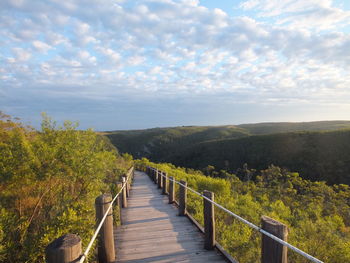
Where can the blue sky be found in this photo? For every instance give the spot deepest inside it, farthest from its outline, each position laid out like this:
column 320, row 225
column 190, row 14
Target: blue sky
column 138, row 64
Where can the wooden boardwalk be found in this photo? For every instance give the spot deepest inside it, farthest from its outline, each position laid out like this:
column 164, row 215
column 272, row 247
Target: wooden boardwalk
column 153, row 232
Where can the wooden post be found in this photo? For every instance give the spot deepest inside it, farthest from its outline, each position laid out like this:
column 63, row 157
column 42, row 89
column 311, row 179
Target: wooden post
column 171, row 190
column 124, row 201
column 165, row 183
column 127, row 185
column 132, row 176
column 106, row 253
column 272, row 251
column 182, row 198
column 209, row 221
column 65, row 249
column 120, row 201
column 160, row 179
column 155, row 175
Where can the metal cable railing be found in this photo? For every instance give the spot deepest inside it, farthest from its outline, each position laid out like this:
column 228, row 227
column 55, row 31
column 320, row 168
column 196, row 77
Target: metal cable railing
column 86, row 252
column 282, row 242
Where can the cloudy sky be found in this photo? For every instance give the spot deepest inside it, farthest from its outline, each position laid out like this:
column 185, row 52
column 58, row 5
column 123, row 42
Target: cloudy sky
column 114, row 64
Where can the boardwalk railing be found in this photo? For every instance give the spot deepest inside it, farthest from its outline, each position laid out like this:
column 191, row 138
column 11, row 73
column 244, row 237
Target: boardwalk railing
column 274, row 245
column 67, row 248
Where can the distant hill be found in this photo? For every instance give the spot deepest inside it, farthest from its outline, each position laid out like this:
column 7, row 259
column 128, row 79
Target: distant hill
column 317, row 150
column 278, row 127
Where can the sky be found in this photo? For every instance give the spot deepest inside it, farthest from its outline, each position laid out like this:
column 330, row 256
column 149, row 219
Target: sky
column 119, row 64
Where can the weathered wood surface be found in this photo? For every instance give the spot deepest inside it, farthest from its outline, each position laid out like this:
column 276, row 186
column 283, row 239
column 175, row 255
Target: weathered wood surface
column 271, row 251
column 65, row 249
column 153, row 232
column 209, row 221
column 105, row 244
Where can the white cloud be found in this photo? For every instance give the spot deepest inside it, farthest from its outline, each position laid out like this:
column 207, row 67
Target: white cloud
column 85, row 56
column 21, row 54
column 177, row 48
column 155, row 70
column 110, row 54
column 41, row 46
column 136, row 60
column 315, row 14
column 55, row 39
column 81, row 28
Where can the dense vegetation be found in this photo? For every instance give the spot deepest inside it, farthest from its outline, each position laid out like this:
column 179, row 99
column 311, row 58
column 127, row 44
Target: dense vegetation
column 318, row 215
column 48, row 183
column 49, row 180
column 315, row 154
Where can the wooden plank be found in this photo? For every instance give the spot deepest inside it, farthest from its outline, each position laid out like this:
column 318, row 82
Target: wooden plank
column 177, row 257
column 158, row 240
column 158, row 246
column 123, row 237
column 153, row 232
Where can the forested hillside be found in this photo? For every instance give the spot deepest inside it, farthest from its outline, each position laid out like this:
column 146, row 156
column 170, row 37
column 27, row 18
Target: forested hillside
column 158, row 142
column 315, row 155
column 317, row 150
column 316, row 214
column 49, row 180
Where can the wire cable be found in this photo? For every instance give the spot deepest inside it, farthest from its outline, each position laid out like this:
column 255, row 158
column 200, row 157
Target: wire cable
column 284, row 243
column 86, row 252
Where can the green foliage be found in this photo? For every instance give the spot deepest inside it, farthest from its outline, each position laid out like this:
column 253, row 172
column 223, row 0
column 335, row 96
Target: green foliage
column 316, row 214
column 48, row 183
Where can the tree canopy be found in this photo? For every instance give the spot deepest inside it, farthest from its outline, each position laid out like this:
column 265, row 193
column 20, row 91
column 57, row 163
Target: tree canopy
column 49, row 180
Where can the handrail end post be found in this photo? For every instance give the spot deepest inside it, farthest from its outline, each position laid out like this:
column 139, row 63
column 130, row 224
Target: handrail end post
column 271, row 250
